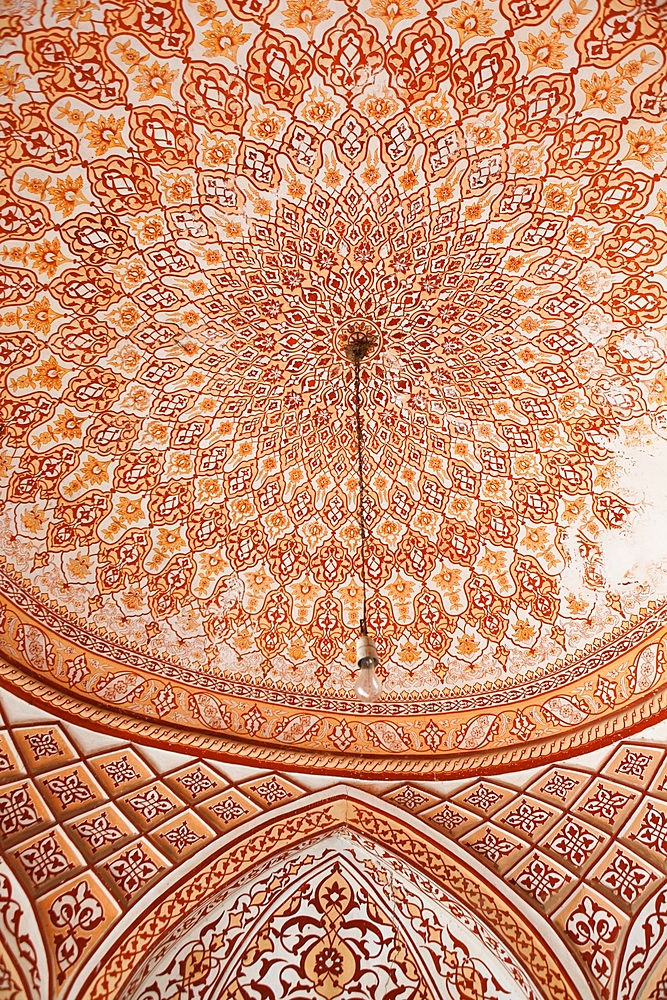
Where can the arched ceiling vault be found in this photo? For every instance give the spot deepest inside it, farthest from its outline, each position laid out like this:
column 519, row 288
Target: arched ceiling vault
column 199, row 204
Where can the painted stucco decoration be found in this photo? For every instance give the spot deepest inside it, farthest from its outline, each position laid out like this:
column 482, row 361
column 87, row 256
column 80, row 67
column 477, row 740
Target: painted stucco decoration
column 199, row 202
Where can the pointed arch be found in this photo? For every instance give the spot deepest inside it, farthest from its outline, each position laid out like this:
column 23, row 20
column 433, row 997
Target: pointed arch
column 259, row 844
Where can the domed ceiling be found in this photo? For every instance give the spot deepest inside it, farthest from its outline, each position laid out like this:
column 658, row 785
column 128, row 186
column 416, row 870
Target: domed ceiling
column 200, row 204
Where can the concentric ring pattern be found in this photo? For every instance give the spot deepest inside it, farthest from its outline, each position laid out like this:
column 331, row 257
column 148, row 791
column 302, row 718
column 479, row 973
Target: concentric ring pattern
column 199, row 202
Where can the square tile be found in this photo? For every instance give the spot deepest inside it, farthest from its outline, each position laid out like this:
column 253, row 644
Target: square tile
column 626, row 878
column 413, row 799
column 527, row 817
column 450, row 819
column 121, row 770
column 271, row 791
column 133, row 869
column 100, row 831
column 634, row 764
column 484, row 797
column 44, row 747
column 45, row 860
column 606, row 804
column 228, row 809
column 70, row 790
column 574, row 843
column 150, row 805
column 541, row 881
column 497, row 848
column 196, row 782
column 182, row 836
column 22, row 811
column 560, row 785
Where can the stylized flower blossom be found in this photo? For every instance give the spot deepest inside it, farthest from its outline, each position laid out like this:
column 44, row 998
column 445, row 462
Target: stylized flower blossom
column 392, row 11
column 544, row 50
column 66, row 194
column 471, row 19
column 603, row 92
column 306, row 14
column 224, row 39
column 105, row 133
column 154, row 81
column 646, row 146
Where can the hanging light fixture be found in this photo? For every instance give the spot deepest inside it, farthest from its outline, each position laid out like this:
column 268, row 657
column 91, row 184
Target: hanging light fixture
column 368, row 686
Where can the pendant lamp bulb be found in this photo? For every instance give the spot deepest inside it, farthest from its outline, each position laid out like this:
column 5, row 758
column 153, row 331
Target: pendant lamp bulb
column 367, row 686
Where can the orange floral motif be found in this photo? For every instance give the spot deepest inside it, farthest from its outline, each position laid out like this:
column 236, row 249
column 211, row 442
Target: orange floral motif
column 47, row 257
column 73, row 11
column 603, row 91
column 154, row 81
column 544, row 50
column 377, row 108
column 66, row 194
column 105, row 133
column 11, row 80
column 224, row 39
column 306, row 14
column 392, row 11
column 471, row 19
column 265, row 125
column 646, row 146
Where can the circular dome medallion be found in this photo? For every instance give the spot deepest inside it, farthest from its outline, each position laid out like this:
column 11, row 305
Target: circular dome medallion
column 190, row 248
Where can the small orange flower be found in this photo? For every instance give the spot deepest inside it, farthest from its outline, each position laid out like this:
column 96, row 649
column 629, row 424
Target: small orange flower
column 49, row 374
column 306, row 14
column 224, row 39
column 66, row 194
column 105, row 133
column 409, row 179
column 39, row 317
column 370, row 175
column 68, row 425
column 514, row 264
column 265, row 124
column 559, row 197
column 216, row 152
column 444, row 192
column 523, row 631
column 527, row 160
column 603, row 92
column 332, row 177
column 392, row 11
column 47, row 257
column 320, row 108
column 10, row 81
column 647, row 146
column 467, row 646
column 73, row 11
column 544, row 50
column 471, row 19
column 154, row 81
column 579, row 239
column 377, row 107
column 296, row 189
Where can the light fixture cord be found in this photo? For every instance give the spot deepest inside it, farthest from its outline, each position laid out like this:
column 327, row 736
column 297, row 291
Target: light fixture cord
column 362, row 488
